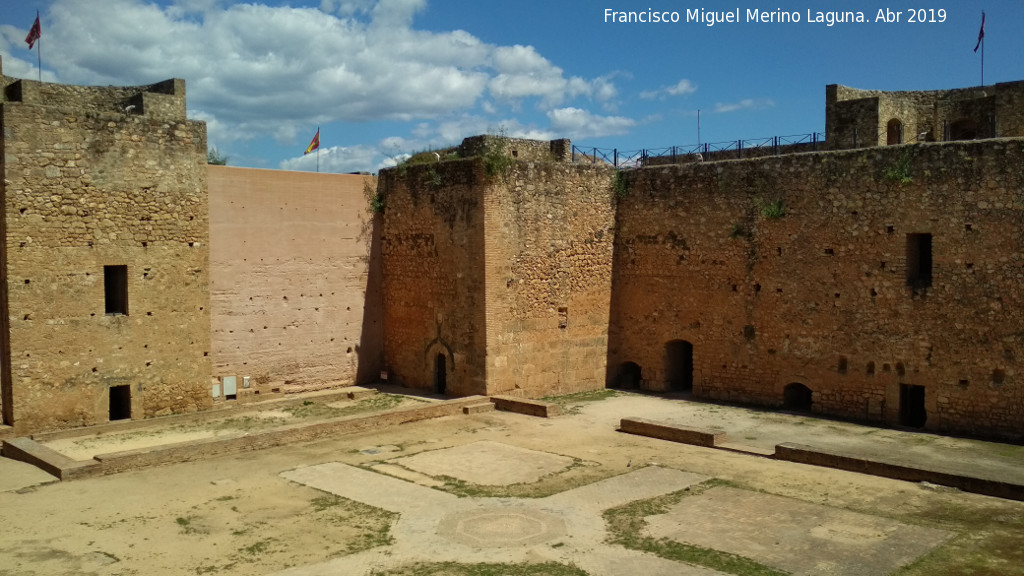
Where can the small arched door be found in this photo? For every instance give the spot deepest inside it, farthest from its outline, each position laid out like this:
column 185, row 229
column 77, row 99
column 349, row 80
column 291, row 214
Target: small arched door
column 797, row 397
column 894, row 132
column 629, row 376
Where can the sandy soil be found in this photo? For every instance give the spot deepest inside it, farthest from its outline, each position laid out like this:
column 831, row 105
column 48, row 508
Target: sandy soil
column 238, row 515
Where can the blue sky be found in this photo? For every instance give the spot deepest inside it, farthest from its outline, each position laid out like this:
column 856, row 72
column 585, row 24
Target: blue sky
column 386, row 78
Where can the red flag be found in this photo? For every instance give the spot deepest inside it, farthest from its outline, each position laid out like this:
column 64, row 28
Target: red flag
column 34, row 33
column 981, row 33
column 314, row 144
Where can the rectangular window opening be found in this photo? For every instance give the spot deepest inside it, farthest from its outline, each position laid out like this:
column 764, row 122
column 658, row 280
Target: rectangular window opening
column 919, row 260
column 115, row 287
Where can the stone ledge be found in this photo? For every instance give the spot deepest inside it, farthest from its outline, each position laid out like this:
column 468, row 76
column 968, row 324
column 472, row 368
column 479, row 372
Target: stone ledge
column 526, row 406
column 219, row 410
column 46, row 459
column 672, row 432
column 66, row 469
column 478, row 408
column 804, row 454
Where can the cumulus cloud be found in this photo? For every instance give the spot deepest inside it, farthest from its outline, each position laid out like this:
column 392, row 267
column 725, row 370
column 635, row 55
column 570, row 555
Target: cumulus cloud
column 681, row 88
column 256, row 67
column 258, row 71
column 11, row 36
column 337, row 159
column 577, row 123
column 745, row 104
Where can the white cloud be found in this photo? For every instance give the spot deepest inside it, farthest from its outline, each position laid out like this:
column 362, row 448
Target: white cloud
column 11, row 36
column 576, row 123
column 335, row 159
column 681, row 88
column 255, row 70
column 745, row 104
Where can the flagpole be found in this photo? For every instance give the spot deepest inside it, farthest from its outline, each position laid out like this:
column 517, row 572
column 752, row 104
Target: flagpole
column 39, row 51
column 983, row 62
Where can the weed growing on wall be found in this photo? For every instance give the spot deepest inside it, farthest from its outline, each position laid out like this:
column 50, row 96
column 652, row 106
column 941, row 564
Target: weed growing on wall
column 214, row 157
column 375, row 198
column 770, row 209
column 899, row 171
column 621, row 185
column 497, row 161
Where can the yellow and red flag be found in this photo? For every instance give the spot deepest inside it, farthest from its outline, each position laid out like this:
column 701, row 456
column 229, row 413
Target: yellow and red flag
column 314, row 144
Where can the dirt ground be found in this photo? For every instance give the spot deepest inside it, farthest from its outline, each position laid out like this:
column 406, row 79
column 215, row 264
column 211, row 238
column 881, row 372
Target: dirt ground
column 241, row 514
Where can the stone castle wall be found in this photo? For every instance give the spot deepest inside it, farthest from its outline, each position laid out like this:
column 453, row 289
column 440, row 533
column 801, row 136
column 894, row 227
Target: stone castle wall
column 550, row 229
column 86, row 187
column 295, row 279
column 507, row 277
column 859, row 118
column 433, row 291
column 819, row 295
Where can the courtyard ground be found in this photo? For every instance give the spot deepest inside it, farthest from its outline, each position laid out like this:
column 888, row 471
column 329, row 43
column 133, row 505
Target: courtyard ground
column 502, row 493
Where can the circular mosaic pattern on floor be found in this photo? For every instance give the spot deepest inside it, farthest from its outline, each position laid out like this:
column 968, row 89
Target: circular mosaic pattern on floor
column 501, row 527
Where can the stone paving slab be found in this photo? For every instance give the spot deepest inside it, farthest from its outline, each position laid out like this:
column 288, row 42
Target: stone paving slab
column 434, row 526
column 487, row 463
column 371, row 488
column 640, row 484
column 795, row 536
column 405, row 474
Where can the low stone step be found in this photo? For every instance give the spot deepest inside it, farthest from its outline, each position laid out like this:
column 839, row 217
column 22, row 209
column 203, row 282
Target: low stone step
column 478, row 408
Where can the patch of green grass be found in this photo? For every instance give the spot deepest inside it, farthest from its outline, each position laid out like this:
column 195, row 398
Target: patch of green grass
column 257, row 548
column 374, row 523
column 188, row 526
column 455, row 569
column 770, row 209
column 578, row 473
column 327, row 501
column 626, row 527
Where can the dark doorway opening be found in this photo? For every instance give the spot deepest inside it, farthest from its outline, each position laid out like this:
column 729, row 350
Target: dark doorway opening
column 679, row 365
column 894, row 132
column 796, row 396
column 912, row 412
column 963, row 129
column 120, row 402
column 629, row 376
column 441, row 374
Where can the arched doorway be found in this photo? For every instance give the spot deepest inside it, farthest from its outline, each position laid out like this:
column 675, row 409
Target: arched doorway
column 679, row 365
column 797, row 397
column 894, row 132
column 629, row 376
column 440, row 374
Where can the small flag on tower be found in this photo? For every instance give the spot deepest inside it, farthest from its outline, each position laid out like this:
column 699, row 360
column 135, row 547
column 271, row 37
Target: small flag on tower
column 34, row 33
column 314, row 144
column 981, row 33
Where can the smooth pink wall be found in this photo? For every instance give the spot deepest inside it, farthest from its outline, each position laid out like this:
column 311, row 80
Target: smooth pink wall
column 290, row 257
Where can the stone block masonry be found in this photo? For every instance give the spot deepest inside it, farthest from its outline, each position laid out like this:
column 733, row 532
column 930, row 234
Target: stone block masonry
column 880, row 284
column 497, row 284
column 106, row 262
